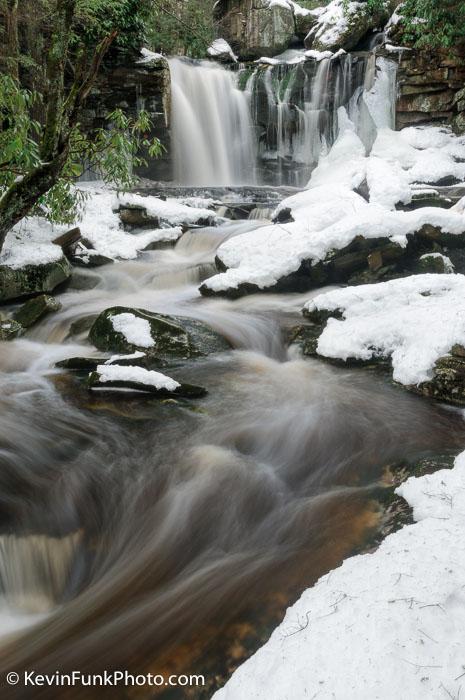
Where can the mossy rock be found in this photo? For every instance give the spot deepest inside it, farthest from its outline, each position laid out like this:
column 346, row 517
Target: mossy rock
column 432, row 263
column 173, row 336
column 9, row 330
column 448, row 382
column 32, row 279
column 33, row 310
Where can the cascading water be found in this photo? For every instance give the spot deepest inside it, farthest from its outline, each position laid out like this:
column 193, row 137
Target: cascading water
column 294, row 107
column 272, row 131
column 212, row 132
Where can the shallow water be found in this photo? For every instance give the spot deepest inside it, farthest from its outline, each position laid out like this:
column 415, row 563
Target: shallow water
column 170, row 537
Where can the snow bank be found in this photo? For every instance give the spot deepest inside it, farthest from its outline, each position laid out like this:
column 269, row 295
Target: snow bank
column 135, row 330
column 149, row 56
column 387, row 625
column 327, row 219
column 413, row 321
column 29, row 243
column 118, row 373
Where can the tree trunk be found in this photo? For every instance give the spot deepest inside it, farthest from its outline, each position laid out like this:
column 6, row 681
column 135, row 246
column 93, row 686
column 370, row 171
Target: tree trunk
column 21, row 197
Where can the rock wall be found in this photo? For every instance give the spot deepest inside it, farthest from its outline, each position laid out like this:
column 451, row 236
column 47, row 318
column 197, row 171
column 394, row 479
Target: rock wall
column 431, row 88
column 132, row 86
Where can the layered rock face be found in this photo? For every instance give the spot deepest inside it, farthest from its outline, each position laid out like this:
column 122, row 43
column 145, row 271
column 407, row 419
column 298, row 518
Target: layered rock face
column 431, row 88
column 132, row 85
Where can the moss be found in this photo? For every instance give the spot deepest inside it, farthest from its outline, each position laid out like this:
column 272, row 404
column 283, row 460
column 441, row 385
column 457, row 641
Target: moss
column 32, row 279
column 173, row 336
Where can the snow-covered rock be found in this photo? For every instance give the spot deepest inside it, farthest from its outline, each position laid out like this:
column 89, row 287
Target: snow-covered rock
column 388, row 625
column 343, row 24
column 413, row 322
column 220, row 50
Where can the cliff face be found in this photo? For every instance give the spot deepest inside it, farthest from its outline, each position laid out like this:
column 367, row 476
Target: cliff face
column 431, row 88
column 133, row 85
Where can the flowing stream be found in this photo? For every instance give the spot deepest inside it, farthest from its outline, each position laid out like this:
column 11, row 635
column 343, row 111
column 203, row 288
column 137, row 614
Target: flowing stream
column 165, row 537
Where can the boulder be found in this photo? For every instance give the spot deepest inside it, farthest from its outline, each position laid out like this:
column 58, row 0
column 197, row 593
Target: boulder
column 157, row 335
column 33, row 310
column 10, row 329
column 344, row 25
column 32, row 279
column 253, row 28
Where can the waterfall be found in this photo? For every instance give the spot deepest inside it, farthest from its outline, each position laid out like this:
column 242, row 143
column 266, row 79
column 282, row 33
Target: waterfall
column 212, row 132
column 294, row 105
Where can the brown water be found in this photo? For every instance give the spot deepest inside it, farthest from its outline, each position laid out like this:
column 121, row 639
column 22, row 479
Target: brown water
column 162, row 537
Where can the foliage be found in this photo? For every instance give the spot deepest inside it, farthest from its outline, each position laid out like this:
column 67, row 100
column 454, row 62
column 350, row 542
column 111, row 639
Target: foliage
column 53, row 54
column 112, row 152
column 428, row 23
column 186, row 27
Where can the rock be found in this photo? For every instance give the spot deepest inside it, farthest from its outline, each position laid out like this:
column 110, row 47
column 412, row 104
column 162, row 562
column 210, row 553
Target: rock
column 173, row 336
column 434, row 263
column 82, row 325
column 33, row 310
column 89, row 258
column 183, row 390
column 80, row 364
column 448, row 382
column 134, row 216
column 32, row 279
column 344, row 28
column 306, row 338
column 10, row 329
column 253, row 29
column 67, row 241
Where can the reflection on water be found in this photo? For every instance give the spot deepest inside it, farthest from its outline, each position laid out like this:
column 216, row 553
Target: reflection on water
column 151, row 536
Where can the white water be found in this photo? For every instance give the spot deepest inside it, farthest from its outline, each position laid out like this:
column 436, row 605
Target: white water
column 212, row 133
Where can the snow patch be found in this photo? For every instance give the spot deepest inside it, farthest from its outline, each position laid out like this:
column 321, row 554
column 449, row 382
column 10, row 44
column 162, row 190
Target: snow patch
column 118, row 373
column 134, row 329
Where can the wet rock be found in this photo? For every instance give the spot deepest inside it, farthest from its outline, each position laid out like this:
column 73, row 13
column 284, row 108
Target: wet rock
column 82, row 325
column 172, row 336
column 32, row 279
column 33, row 310
column 305, row 338
column 10, row 329
column 190, row 391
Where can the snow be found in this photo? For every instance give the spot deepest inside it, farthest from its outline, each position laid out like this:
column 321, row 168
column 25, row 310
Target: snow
column 133, row 356
column 136, row 330
column 118, row 373
column 169, row 212
column 413, row 321
column 220, row 47
column 149, row 56
column 29, row 242
column 30, row 245
column 388, row 625
column 332, row 21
